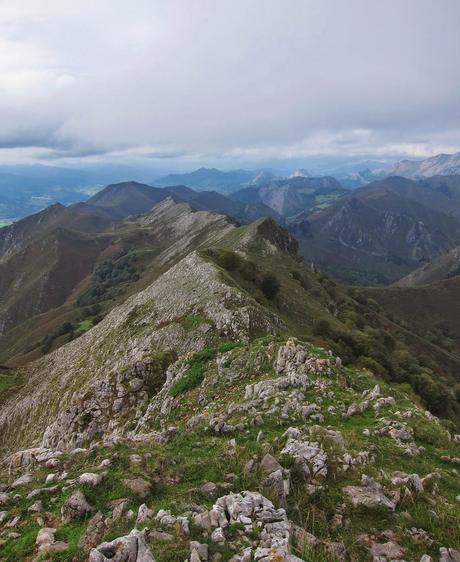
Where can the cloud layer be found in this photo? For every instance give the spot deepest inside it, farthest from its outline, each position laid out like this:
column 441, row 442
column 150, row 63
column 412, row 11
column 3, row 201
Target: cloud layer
column 232, row 80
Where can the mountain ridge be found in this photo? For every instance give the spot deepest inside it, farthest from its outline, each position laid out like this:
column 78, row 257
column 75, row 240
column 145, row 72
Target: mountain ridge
column 122, row 439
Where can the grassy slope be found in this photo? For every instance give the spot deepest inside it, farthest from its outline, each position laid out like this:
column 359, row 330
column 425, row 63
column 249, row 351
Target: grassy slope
column 196, row 456
column 360, row 329
column 429, row 310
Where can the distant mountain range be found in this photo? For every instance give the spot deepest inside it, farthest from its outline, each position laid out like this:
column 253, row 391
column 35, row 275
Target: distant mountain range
column 439, row 165
column 205, row 179
column 28, row 189
column 131, row 198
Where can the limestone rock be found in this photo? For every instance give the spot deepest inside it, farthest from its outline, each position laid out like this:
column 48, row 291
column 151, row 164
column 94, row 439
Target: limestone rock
column 248, row 509
column 370, row 494
column 4, row 498
column 209, row 489
column 90, row 478
column 46, row 542
column 94, row 532
column 449, row 555
column 22, row 481
column 389, row 550
column 130, row 548
column 269, row 464
column 308, row 456
column 198, row 551
column 76, row 506
column 218, row 535
column 138, row 486
column 143, row 514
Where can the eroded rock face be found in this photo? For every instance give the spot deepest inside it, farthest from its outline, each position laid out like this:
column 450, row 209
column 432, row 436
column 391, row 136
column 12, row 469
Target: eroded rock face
column 292, row 359
column 76, row 506
column 253, row 511
column 449, row 555
column 308, row 456
column 131, row 548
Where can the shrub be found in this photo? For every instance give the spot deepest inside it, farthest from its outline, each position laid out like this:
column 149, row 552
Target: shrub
column 322, row 328
column 248, row 270
column 270, row 286
column 229, row 260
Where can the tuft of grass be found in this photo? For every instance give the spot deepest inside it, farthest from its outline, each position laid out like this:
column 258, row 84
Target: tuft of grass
column 192, row 321
column 84, row 326
column 192, row 378
column 8, row 382
column 70, row 534
column 20, row 548
column 194, row 375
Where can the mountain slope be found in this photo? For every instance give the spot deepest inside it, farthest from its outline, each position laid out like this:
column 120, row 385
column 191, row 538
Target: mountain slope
column 14, row 236
column 116, row 253
column 43, row 275
column 291, row 196
column 443, row 267
column 430, row 310
column 95, row 271
column 204, row 423
column 379, row 233
column 128, row 198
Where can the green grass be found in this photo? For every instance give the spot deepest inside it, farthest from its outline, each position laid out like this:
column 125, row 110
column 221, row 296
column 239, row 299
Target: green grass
column 192, row 321
column 179, row 468
column 21, row 548
column 192, row 378
column 71, row 534
column 84, row 326
column 8, row 382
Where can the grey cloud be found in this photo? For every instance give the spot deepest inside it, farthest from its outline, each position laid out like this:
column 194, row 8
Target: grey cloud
column 232, row 79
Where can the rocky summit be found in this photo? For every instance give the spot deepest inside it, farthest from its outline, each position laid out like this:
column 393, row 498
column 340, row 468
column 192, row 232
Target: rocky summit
column 232, row 408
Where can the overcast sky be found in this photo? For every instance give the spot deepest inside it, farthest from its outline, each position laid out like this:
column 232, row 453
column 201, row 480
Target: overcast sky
column 198, row 81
